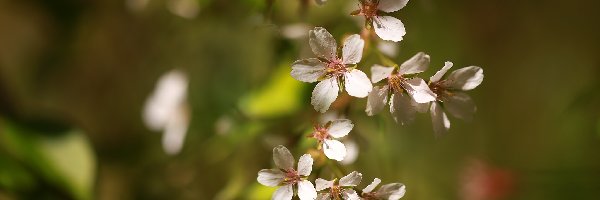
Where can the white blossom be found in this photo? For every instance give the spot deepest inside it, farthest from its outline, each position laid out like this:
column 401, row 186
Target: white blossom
column 451, row 96
column 386, row 27
column 326, row 136
column 188, row 9
column 408, row 95
column 339, row 189
column 287, row 177
column 391, row 191
column 167, row 109
column 352, row 151
column 331, row 70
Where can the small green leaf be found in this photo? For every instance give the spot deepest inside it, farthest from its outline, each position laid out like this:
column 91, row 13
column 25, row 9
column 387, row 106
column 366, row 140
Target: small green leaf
column 281, row 95
column 64, row 159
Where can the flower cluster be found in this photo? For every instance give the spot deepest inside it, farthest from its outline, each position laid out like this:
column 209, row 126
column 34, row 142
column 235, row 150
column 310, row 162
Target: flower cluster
column 403, row 90
column 294, row 182
column 406, row 93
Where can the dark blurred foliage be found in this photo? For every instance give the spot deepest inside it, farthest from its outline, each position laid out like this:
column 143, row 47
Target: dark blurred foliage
column 74, row 76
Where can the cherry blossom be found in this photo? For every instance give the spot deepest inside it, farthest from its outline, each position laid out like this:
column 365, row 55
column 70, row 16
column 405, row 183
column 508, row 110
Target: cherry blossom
column 332, row 71
column 403, row 105
column 339, row 189
column 327, row 135
column 451, row 96
column 391, row 191
column 386, row 27
column 287, row 177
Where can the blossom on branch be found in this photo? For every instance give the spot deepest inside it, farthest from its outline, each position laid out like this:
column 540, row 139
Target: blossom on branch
column 386, row 27
column 332, row 71
column 287, row 177
column 391, row 191
column 403, row 105
column 339, row 189
column 326, row 136
column 450, row 95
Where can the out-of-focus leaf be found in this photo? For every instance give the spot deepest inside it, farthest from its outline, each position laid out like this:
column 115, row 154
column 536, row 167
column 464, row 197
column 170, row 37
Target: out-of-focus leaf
column 13, row 176
column 258, row 191
column 281, row 95
column 63, row 159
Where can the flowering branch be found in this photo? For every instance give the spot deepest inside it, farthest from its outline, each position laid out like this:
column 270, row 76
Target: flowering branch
column 404, row 91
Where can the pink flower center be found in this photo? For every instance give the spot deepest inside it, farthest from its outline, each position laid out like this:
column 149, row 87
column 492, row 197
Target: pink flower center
column 368, row 8
column 336, row 68
column 320, row 133
column 291, row 177
column 335, row 191
column 439, row 89
column 395, row 82
column 369, row 196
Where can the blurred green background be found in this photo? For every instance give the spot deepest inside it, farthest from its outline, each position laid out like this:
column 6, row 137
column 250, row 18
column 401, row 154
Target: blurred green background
column 74, row 76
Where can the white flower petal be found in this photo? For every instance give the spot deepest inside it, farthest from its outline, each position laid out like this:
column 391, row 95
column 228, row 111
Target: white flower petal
column 389, row 28
column 324, row 94
column 283, row 158
column 402, row 108
column 419, row 90
column 352, row 179
column 322, row 43
column 353, row 49
column 351, row 152
column 340, row 128
column 305, row 165
column 322, row 184
column 372, row 186
column 379, row 72
column 285, row 192
column 357, row 83
column 170, row 92
column 334, row 149
column 392, row 191
column 308, row 70
column 350, row 194
column 176, row 130
column 416, row 64
column 306, row 190
column 439, row 120
column 439, row 74
column 378, row 98
column 466, row 78
column 460, row 105
column 323, row 196
column 270, row 177
column 391, row 5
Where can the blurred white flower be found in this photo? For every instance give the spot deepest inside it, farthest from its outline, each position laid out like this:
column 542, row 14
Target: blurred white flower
column 184, row 8
column 352, row 150
column 392, row 191
column 167, row 110
column 402, row 106
column 339, row 189
column 327, row 134
column 388, row 48
column 386, row 27
column 295, row 31
column 332, row 70
column 450, row 95
column 321, row 2
column 286, row 177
